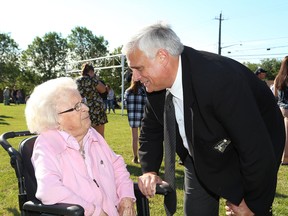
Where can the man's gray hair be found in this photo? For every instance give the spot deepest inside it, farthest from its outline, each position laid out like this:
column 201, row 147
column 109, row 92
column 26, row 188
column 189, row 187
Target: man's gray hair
column 152, row 38
column 41, row 108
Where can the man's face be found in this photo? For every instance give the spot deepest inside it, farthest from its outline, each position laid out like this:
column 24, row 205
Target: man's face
column 152, row 73
column 262, row 75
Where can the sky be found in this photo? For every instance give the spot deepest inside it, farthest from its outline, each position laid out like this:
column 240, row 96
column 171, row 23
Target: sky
column 251, row 30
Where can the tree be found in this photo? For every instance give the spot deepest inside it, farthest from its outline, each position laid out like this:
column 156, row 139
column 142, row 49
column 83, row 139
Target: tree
column 84, row 45
column 9, row 51
column 9, row 54
column 46, row 56
column 251, row 66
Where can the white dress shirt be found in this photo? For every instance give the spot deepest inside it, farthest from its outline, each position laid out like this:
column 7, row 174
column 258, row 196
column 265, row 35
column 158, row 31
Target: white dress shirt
column 177, row 92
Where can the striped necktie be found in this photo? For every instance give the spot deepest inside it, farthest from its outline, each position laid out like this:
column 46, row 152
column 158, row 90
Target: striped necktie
column 170, row 199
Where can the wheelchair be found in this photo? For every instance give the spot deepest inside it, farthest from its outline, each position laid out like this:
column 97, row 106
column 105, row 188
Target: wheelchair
column 29, row 205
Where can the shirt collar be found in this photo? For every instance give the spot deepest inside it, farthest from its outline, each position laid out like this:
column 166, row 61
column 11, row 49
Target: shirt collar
column 71, row 141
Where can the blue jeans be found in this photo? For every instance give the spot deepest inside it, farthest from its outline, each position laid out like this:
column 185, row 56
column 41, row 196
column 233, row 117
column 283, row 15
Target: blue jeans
column 111, row 105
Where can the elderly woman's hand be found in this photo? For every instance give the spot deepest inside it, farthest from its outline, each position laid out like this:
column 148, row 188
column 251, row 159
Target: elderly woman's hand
column 126, row 207
column 102, row 213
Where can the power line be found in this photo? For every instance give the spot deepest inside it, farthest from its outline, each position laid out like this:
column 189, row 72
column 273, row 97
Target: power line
column 267, row 39
column 254, row 49
column 258, row 55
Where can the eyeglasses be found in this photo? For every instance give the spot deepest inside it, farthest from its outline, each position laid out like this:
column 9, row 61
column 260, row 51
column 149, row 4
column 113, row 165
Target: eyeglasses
column 77, row 107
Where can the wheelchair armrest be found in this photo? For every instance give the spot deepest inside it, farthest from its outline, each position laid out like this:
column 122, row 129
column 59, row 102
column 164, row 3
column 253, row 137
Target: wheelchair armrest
column 143, row 203
column 162, row 189
column 57, row 209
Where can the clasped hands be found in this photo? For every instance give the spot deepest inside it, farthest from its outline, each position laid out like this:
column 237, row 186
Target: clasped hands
column 241, row 210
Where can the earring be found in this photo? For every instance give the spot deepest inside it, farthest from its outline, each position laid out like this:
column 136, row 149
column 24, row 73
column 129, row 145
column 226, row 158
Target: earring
column 59, row 127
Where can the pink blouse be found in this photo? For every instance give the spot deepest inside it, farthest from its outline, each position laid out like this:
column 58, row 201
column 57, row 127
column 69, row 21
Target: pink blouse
column 97, row 181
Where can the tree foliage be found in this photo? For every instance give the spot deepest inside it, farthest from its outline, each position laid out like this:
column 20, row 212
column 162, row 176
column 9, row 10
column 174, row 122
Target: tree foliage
column 84, row 45
column 9, row 67
column 46, row 56
column 9, row 51
column 9, row 72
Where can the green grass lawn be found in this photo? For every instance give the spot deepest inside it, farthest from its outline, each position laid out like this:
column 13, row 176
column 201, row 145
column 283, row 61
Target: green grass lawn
column 117, row 134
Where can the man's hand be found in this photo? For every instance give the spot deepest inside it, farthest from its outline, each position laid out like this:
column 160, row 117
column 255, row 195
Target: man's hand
column 241, row 210
column 147, row 183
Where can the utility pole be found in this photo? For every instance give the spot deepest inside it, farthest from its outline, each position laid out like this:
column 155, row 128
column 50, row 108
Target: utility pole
column 219, row 40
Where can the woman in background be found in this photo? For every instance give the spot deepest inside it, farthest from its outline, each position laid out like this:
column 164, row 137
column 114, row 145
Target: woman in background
column 72, row 161
column 281, row 93
column 90, row 88
column 110, row 98
column 135, row 98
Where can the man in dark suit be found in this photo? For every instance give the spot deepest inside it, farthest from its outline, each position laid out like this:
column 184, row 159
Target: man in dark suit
column 230, row 131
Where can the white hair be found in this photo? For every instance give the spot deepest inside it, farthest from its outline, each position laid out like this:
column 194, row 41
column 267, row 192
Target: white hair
column 152, row 38
column 41, row 108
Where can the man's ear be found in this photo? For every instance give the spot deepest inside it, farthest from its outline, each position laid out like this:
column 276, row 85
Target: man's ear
column 163, row 56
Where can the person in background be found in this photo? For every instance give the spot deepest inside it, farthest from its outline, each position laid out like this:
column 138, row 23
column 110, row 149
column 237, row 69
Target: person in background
column 135, row 99
column 281, row 93
column 230, row 132
column 73, row 163
column 90, row 88
column 110, row 98
column 6, row 96
column 19, row 97
column 261, row 73
column 104, row 97
column 13, row 94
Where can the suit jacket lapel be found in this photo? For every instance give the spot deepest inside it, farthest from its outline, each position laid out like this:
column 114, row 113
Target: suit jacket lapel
column 189, row 99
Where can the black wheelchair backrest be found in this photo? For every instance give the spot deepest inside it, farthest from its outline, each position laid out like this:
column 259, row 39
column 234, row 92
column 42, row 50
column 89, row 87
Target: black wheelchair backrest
column 26, row 150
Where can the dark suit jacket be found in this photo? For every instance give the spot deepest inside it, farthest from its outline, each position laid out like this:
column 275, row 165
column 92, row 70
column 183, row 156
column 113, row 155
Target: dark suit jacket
column 222, row 100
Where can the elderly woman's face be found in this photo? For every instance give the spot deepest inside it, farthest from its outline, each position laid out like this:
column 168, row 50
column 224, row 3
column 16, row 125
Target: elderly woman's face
column 73, row 115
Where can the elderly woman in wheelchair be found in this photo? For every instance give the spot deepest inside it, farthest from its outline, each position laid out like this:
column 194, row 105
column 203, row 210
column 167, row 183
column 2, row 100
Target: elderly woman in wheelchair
column 72, row 162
